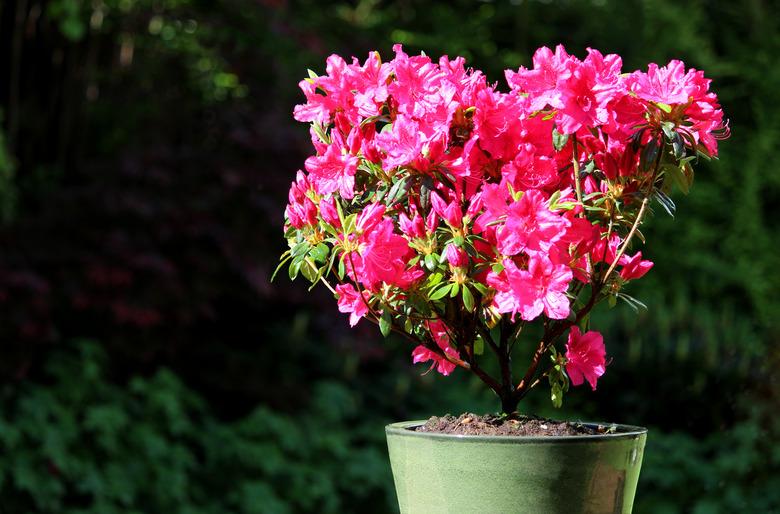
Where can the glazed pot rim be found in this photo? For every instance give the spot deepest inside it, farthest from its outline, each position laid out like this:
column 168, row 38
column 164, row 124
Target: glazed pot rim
column 402, row 428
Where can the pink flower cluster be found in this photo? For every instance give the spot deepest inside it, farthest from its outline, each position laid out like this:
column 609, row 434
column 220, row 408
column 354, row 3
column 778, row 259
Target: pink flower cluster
column 425, row 175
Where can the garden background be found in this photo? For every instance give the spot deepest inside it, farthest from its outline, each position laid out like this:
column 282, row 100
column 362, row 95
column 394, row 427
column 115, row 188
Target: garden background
column 148, row 364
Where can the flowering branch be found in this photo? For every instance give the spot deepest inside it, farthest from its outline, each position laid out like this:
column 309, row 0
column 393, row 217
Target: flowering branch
column 630, row 235
column 457, row 215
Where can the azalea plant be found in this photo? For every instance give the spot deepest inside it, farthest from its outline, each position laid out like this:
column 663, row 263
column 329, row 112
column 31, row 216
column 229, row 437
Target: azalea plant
column 459, row 215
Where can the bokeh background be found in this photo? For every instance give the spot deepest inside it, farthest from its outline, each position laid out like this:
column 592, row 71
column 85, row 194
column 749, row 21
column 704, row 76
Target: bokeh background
column 147, row 363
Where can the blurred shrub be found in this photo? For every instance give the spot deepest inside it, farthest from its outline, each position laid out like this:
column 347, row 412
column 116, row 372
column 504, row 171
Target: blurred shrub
column 7, row 184
column 736, row 470
column 81, row 444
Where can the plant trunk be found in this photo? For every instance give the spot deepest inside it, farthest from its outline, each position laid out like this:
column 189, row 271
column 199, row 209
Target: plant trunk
column 509, row 402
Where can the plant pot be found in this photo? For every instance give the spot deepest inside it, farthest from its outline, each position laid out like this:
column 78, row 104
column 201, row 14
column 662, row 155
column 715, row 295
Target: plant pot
column 454, row 474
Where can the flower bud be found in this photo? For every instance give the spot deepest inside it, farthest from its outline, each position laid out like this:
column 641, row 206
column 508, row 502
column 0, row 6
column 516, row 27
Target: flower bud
column 329, row 212
column 456, row 256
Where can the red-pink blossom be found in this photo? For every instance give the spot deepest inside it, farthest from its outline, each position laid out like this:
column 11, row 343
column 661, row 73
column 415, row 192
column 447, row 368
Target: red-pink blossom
column 667, row 85
column 350, row 301
column 423, row 354
column 451, row 213
column 334, row 171
column 540, row 289
column 403, row 145
column 593, row 83
column 585, row 356
column 370, row 217
column 384, row 255
column 301, row 210
column 496, row 117
column 531, row 172
column 530, row 225
column 634, row 267
column 541, row 82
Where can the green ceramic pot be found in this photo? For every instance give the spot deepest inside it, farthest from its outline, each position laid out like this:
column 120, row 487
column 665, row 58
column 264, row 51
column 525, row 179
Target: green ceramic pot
column 441, row 473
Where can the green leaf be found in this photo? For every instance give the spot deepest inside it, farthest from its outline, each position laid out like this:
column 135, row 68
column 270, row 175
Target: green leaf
column 479, row 346
column 666, row 202
column 678, row 146
column 349, row 223
column 632, row 302
column 434, row 279
column 559, row 140
column 468, row 299
column 454, row 290
column 320, row 253
column 284, row 261
column 396, row 192
column 441, row 292
column 293, row 270
column 385, row 323
column 431, row 261
column 300, row 249
column 309, row 271
column 649, row 155
column 321, row 132
column 668, row 128
column 480, row 287
column 676, row 177
column 497, row 267
column 556, row 395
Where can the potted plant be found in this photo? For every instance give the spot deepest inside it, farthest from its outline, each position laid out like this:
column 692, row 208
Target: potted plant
column 473, row 221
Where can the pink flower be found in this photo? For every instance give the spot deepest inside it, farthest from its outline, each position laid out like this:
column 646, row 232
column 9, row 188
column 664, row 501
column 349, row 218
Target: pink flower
column 371, row 215
column 585, row 356
column 384, row 255
column 301, row 210
column 413, row 228
column 334, row 170
column 634, row 267
column 531, row 172
column 416, row 87
column 350, row 301
column 541, row 81
column 403, row 145
column 423, row 354
column 530, row 225
column 593, row 83
column 337, row 89
column 496, row 115
column 371, row 84
column 451, row 213
column 546, row 289
column 540, row 289
column 666, row 85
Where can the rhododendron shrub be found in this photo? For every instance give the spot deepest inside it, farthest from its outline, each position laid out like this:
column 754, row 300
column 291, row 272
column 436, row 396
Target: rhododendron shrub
column 454, row 213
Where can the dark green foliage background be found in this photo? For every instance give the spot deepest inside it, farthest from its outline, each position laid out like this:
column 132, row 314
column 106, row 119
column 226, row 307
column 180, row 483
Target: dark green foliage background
column 149, row 366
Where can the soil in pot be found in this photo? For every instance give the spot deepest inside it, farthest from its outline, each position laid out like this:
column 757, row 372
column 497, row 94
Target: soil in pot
column 516, row 425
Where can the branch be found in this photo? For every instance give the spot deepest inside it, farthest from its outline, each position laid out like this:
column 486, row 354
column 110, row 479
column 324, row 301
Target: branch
column 575, row 161
column 623, row 248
